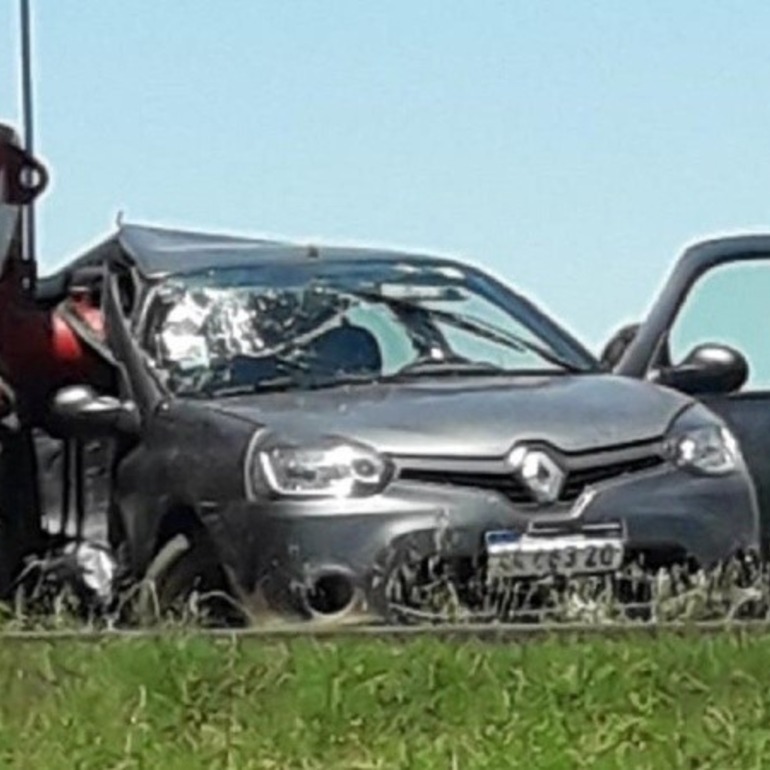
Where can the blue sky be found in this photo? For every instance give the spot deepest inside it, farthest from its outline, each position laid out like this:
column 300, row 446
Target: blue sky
column 571, row 147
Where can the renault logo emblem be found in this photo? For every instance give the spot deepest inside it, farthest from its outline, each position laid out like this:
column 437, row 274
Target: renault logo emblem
column 540, row 473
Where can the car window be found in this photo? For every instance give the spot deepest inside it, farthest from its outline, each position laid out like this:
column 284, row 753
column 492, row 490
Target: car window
column 398, row 349
column 473, row 347
column 85, row 297
column 395, row 345
column 730, row 305
column 88, row 279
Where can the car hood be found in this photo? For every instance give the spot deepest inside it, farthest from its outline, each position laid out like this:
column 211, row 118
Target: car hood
column 480, row 417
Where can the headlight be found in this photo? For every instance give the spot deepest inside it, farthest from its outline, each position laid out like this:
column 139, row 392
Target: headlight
column 326, row 469
column 710, row 449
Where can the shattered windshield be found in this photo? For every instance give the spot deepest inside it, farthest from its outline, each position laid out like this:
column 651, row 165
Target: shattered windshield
column 234, row 330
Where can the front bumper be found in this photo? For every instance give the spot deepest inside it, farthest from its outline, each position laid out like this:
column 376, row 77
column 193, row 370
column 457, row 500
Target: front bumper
column 277, row 550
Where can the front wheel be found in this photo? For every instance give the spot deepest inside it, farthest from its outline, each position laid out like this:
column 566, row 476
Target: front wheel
column 185, row 581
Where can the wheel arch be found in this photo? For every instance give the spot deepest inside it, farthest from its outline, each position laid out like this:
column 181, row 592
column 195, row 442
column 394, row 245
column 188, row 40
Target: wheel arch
column 146, row 535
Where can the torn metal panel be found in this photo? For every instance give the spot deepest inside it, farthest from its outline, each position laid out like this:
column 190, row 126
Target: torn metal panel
column 97, row 567
column 76, row 577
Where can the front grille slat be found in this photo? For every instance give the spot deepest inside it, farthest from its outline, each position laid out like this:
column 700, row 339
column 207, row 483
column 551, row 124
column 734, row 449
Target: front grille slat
column 509, row 485
column 578, row 480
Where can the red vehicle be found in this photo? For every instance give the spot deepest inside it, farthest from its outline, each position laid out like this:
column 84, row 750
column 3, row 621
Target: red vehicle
column 40, row 350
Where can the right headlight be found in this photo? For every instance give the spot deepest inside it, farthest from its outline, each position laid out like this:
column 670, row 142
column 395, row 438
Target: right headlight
column 323, row 468
column 709, row 449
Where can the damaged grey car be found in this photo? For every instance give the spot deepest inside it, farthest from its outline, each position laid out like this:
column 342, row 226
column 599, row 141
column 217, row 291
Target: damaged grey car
column 322, row 431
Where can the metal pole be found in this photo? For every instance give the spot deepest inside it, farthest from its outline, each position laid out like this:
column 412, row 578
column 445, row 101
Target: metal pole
column 28, row 117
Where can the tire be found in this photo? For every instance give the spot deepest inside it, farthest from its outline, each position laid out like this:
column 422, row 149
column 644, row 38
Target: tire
column 184, row 566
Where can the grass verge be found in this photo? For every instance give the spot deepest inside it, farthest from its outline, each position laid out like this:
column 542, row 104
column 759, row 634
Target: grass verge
column 674, row 700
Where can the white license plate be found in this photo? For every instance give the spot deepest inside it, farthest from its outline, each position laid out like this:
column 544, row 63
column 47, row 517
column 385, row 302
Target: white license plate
column 512, row 555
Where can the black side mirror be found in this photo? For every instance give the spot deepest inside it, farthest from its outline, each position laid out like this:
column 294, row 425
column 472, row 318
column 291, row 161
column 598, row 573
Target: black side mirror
column 79, row 411
column 707, row 368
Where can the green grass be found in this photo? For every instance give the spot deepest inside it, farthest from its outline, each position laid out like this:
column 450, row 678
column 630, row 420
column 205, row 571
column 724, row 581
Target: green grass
column 185, row 702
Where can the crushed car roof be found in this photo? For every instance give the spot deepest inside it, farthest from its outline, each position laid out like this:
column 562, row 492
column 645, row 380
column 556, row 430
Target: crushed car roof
column 159, row 251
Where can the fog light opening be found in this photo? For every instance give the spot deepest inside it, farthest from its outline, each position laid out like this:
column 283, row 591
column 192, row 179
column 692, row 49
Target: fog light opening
column 331, row 593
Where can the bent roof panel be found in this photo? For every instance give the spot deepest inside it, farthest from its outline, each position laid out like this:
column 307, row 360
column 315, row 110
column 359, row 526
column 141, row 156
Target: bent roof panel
column 159, row 251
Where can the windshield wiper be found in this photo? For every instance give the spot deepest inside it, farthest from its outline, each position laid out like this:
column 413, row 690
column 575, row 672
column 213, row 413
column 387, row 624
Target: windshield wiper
column 243, row 389
column 284, row 383
column 447, row 366
column 475, row 326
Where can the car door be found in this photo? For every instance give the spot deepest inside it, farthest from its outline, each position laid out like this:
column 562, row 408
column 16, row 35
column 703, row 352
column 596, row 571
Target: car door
column 721, row 298
column 76, row 474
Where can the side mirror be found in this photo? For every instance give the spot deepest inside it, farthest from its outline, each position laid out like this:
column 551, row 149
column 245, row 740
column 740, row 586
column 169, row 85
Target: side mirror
column 79, row 411
column 707, row 368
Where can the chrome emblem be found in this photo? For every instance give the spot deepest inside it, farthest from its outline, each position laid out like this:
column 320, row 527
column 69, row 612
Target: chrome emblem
column 539, row 472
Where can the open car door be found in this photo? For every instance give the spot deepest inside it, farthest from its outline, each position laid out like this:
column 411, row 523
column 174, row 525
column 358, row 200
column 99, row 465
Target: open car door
column 708, row 334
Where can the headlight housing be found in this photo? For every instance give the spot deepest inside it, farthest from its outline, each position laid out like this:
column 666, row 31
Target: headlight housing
column 708, row 449
column 327, row 468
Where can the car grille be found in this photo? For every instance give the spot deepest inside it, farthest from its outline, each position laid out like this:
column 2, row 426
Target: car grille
column 510, row 485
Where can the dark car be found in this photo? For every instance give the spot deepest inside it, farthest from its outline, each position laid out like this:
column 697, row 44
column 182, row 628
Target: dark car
column 707, row 335
column 305, row 426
